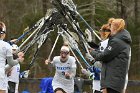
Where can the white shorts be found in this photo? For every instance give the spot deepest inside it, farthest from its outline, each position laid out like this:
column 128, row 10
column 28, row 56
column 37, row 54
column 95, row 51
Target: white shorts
column 96, row 85
column 3, row 83
column 3, row 79
column 67, row 85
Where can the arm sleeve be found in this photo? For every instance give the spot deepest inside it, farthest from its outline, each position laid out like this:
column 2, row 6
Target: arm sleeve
column 7, row 67
column 113, row 49
column 11, row 61
column 73, row 72
column 73, row 68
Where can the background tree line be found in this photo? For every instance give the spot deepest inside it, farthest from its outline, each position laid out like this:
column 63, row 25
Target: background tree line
column 18, row 14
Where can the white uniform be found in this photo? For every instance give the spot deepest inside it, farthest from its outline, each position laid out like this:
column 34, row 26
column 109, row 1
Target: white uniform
column 96, row 83
column 14, row 77
column 5, row 51
column 59, row 79
column 103, row 45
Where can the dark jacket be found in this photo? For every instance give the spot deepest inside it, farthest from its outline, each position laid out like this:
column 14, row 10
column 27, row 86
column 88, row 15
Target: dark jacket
column 115, row 61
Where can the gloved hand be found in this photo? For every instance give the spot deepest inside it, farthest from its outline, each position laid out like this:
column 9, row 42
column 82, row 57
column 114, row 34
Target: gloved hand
column 92, row 76
column 24, row 74
column 67, row 75
column 88, row 56
column 86, row 72
column 88, row 35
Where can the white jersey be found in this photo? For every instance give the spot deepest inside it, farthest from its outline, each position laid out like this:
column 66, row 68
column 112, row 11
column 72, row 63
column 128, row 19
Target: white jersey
column 59, row 79
column 96, row 83
column 5, row 51
column 14, row 77
column 103, row 44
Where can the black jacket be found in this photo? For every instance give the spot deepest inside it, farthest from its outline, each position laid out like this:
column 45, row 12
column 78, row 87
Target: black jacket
column 115, row 61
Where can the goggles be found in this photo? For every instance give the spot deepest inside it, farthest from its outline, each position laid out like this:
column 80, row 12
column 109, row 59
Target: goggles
column 2, row 31
column 64, row 52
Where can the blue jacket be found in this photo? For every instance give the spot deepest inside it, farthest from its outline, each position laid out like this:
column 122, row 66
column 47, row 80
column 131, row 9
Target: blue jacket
column 46, row 85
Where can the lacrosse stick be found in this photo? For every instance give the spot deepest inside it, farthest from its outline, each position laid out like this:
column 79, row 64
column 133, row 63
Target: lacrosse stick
column 73, row 45
column 72, row 8
column 54, row 45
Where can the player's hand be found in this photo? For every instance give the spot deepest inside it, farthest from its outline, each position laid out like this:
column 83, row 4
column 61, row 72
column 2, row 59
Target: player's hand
column 21, row 56
column 47, row 61
column 88, row 56
column 13, row 40
column 86, row 72
column 90, row 49
column 83, row 71
column 67, row 75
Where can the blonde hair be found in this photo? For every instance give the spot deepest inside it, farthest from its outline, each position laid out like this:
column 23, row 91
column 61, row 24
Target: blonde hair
column 119, row 23
column 110, row 20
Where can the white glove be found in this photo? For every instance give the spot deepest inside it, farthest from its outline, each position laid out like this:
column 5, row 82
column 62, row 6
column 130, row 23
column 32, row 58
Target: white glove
column 92, row 76
column 88, row 56
column 88, row 34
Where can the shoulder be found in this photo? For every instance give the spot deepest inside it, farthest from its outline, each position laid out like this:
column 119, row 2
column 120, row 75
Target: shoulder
column 71, row 58
column 116, row 43
column 56, row 58
column 114, row 40
column 7, row 44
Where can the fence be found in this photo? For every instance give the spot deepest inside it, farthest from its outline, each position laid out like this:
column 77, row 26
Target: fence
column 32, row 85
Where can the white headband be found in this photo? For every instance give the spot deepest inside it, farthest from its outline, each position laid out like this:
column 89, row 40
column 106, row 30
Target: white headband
column 65, row 48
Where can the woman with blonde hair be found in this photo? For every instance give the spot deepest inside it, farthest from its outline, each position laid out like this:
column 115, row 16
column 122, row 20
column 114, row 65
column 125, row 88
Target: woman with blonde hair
column 115, row 58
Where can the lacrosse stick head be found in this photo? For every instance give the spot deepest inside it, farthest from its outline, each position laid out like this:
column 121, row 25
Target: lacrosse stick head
column 15, row 49
column 53, row 17
column 50, row 12
column 69, row 4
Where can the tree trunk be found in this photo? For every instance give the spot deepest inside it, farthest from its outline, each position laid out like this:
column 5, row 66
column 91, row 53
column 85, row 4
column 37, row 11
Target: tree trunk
column 121, row 9
column 92, row 17
column 136, row 12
